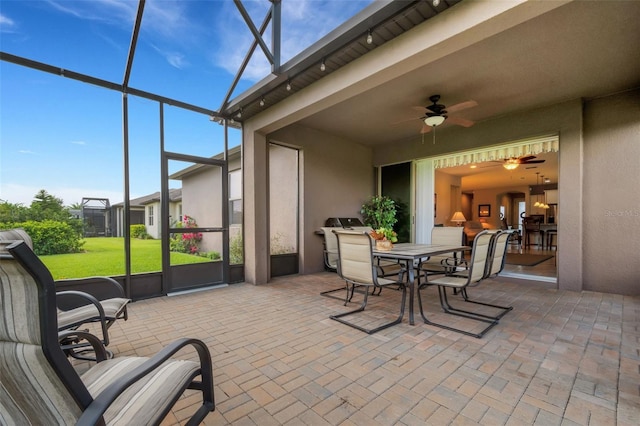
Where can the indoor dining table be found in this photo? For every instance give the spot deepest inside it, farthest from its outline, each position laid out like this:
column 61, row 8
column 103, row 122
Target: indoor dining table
column 412, row 254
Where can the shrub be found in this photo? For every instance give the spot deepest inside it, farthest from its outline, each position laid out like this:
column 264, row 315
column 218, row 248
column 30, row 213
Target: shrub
column 185, row 242
column 236, row 247
column 139, row 231
column 213, row 255
column 50, row 236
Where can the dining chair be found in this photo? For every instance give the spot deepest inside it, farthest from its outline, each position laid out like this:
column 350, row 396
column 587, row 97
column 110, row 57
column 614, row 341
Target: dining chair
column 442, row 264
column 356, row 265
column 460, row 280
column 40, row 385
column 494, row 265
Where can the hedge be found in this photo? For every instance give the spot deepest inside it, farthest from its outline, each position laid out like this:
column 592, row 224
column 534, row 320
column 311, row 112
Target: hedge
column 50, row 236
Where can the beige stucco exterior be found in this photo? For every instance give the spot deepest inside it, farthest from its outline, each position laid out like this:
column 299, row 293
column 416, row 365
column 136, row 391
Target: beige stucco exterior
column 598, row 159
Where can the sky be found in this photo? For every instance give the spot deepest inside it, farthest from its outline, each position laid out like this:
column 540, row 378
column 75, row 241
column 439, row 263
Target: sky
column 66, row 137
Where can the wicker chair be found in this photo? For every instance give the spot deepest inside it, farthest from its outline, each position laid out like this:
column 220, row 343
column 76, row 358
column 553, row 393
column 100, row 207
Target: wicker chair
column 38, row 384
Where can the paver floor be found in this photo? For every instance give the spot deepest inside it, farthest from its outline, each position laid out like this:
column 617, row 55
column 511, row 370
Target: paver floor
column 560, row 357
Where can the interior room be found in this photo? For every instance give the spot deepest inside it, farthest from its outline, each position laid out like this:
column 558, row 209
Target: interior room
column 496, row 195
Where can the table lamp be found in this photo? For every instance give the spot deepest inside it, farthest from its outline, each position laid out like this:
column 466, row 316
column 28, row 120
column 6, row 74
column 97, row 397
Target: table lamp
column 458, row 217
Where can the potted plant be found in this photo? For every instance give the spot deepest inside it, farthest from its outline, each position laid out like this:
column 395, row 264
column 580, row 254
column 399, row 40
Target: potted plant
column 385, row 237
column 380, row 214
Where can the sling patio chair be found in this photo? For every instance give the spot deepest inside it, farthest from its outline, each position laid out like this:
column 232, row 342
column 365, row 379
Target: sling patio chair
column 99, row 300
column 459, row 280
column 357, row 267
column 38, row 383
column 330, row 255
column 442, row 264
column 495, row 264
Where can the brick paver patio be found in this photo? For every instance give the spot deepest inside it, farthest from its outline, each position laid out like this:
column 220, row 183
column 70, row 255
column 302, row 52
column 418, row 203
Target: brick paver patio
column 558, row 358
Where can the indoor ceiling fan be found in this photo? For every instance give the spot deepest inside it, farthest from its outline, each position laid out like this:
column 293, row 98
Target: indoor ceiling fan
column 513, row 162
column 437, row 113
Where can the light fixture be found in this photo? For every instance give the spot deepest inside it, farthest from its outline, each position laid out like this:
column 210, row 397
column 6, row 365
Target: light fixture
column 436, row 3
column 511, row 164
column 239, row 114
column 458, row 217
column 288, row 85
column 262, row 102
column 369, row 37
column 434, row 120
column 322, row 66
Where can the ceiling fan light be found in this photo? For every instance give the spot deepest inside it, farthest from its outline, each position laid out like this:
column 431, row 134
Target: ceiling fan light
column 511, row 164
column 434, row 120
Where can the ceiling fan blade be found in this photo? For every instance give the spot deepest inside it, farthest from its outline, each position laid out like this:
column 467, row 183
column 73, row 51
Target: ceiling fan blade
column 525, row 159
column 532, row 162
column 461, row 121
column 425, row 129
column 461, row 106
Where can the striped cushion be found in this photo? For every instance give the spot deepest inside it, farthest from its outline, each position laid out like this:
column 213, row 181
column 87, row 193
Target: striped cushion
column 17, row 234
column 30, row 391
column 112, row 308
column 146, row 400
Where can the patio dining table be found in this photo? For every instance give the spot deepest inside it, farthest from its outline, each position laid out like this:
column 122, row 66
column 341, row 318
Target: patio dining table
column 411, row 254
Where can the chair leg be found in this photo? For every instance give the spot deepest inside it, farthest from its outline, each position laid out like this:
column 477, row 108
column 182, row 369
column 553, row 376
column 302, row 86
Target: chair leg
column 505, row 309
column 361, row 308
column 442, row 295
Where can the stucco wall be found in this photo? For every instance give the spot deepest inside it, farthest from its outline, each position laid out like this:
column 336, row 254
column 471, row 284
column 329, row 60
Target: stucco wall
column 338, row 177
column 202, row 201
column 611, row 194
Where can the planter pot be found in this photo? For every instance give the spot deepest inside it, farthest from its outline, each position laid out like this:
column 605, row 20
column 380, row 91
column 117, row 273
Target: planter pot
column 384, row 245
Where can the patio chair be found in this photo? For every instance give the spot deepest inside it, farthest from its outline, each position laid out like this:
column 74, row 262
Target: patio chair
column 83, row 301
column 438, row 265
column 357, row 267
column 460, row 280
column 40, row 386
column 495, row 264
column 330, row 254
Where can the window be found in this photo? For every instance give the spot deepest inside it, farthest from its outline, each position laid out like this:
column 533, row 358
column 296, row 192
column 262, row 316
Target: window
column 235, row 197
column 150, row 215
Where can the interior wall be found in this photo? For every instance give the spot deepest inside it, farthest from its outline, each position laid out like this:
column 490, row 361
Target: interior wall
column 338, row 178
column 611, row 203
column 564, row 119
column 443, row 182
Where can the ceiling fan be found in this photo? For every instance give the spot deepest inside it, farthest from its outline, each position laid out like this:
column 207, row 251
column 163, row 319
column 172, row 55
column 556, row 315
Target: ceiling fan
column 437, row 113
column 513, row 162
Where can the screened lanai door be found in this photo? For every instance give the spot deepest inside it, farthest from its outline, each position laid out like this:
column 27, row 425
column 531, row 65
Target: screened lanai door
column 195, row 233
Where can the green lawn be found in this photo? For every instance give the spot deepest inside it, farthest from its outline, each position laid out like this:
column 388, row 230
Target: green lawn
column 105, row 257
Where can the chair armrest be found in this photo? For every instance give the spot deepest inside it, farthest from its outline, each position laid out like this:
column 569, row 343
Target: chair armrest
column 93, row 413
column 109, row 288
column 95, row 342
column 82, row 295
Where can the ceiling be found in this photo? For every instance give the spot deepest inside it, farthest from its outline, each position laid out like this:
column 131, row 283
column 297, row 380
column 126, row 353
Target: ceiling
column 579, row 50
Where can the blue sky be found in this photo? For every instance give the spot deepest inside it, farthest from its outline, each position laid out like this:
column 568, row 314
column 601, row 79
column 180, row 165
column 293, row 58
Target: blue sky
column 65, row 136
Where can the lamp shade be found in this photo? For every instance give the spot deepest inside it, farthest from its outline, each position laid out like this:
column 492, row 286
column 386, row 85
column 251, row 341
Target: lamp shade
column 458, row 217
column 511, row 164
column 434, row 120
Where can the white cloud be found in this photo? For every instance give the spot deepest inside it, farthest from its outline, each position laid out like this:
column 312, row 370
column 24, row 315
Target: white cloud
column 7, row 25
column 26, row 152
column 78, row 142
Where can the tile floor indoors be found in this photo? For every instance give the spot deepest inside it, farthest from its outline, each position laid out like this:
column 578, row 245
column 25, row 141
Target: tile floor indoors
column 559, row 358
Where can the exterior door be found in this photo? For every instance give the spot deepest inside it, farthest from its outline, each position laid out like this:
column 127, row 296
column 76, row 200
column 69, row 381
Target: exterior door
column 195, row 228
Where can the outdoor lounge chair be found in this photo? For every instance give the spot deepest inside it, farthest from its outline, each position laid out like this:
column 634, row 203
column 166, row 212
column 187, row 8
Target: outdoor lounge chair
column 40, row 386
column 83, row 301
column 357, row 267
column 460, row 280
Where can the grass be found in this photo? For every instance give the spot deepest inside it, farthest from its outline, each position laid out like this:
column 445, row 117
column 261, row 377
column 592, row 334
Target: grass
column 105, row 257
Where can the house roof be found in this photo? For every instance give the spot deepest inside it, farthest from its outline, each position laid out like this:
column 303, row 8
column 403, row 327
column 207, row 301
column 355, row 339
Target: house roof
column 175, row 195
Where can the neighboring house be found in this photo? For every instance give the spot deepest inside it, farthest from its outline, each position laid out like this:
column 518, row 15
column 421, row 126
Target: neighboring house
column 146, row 211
